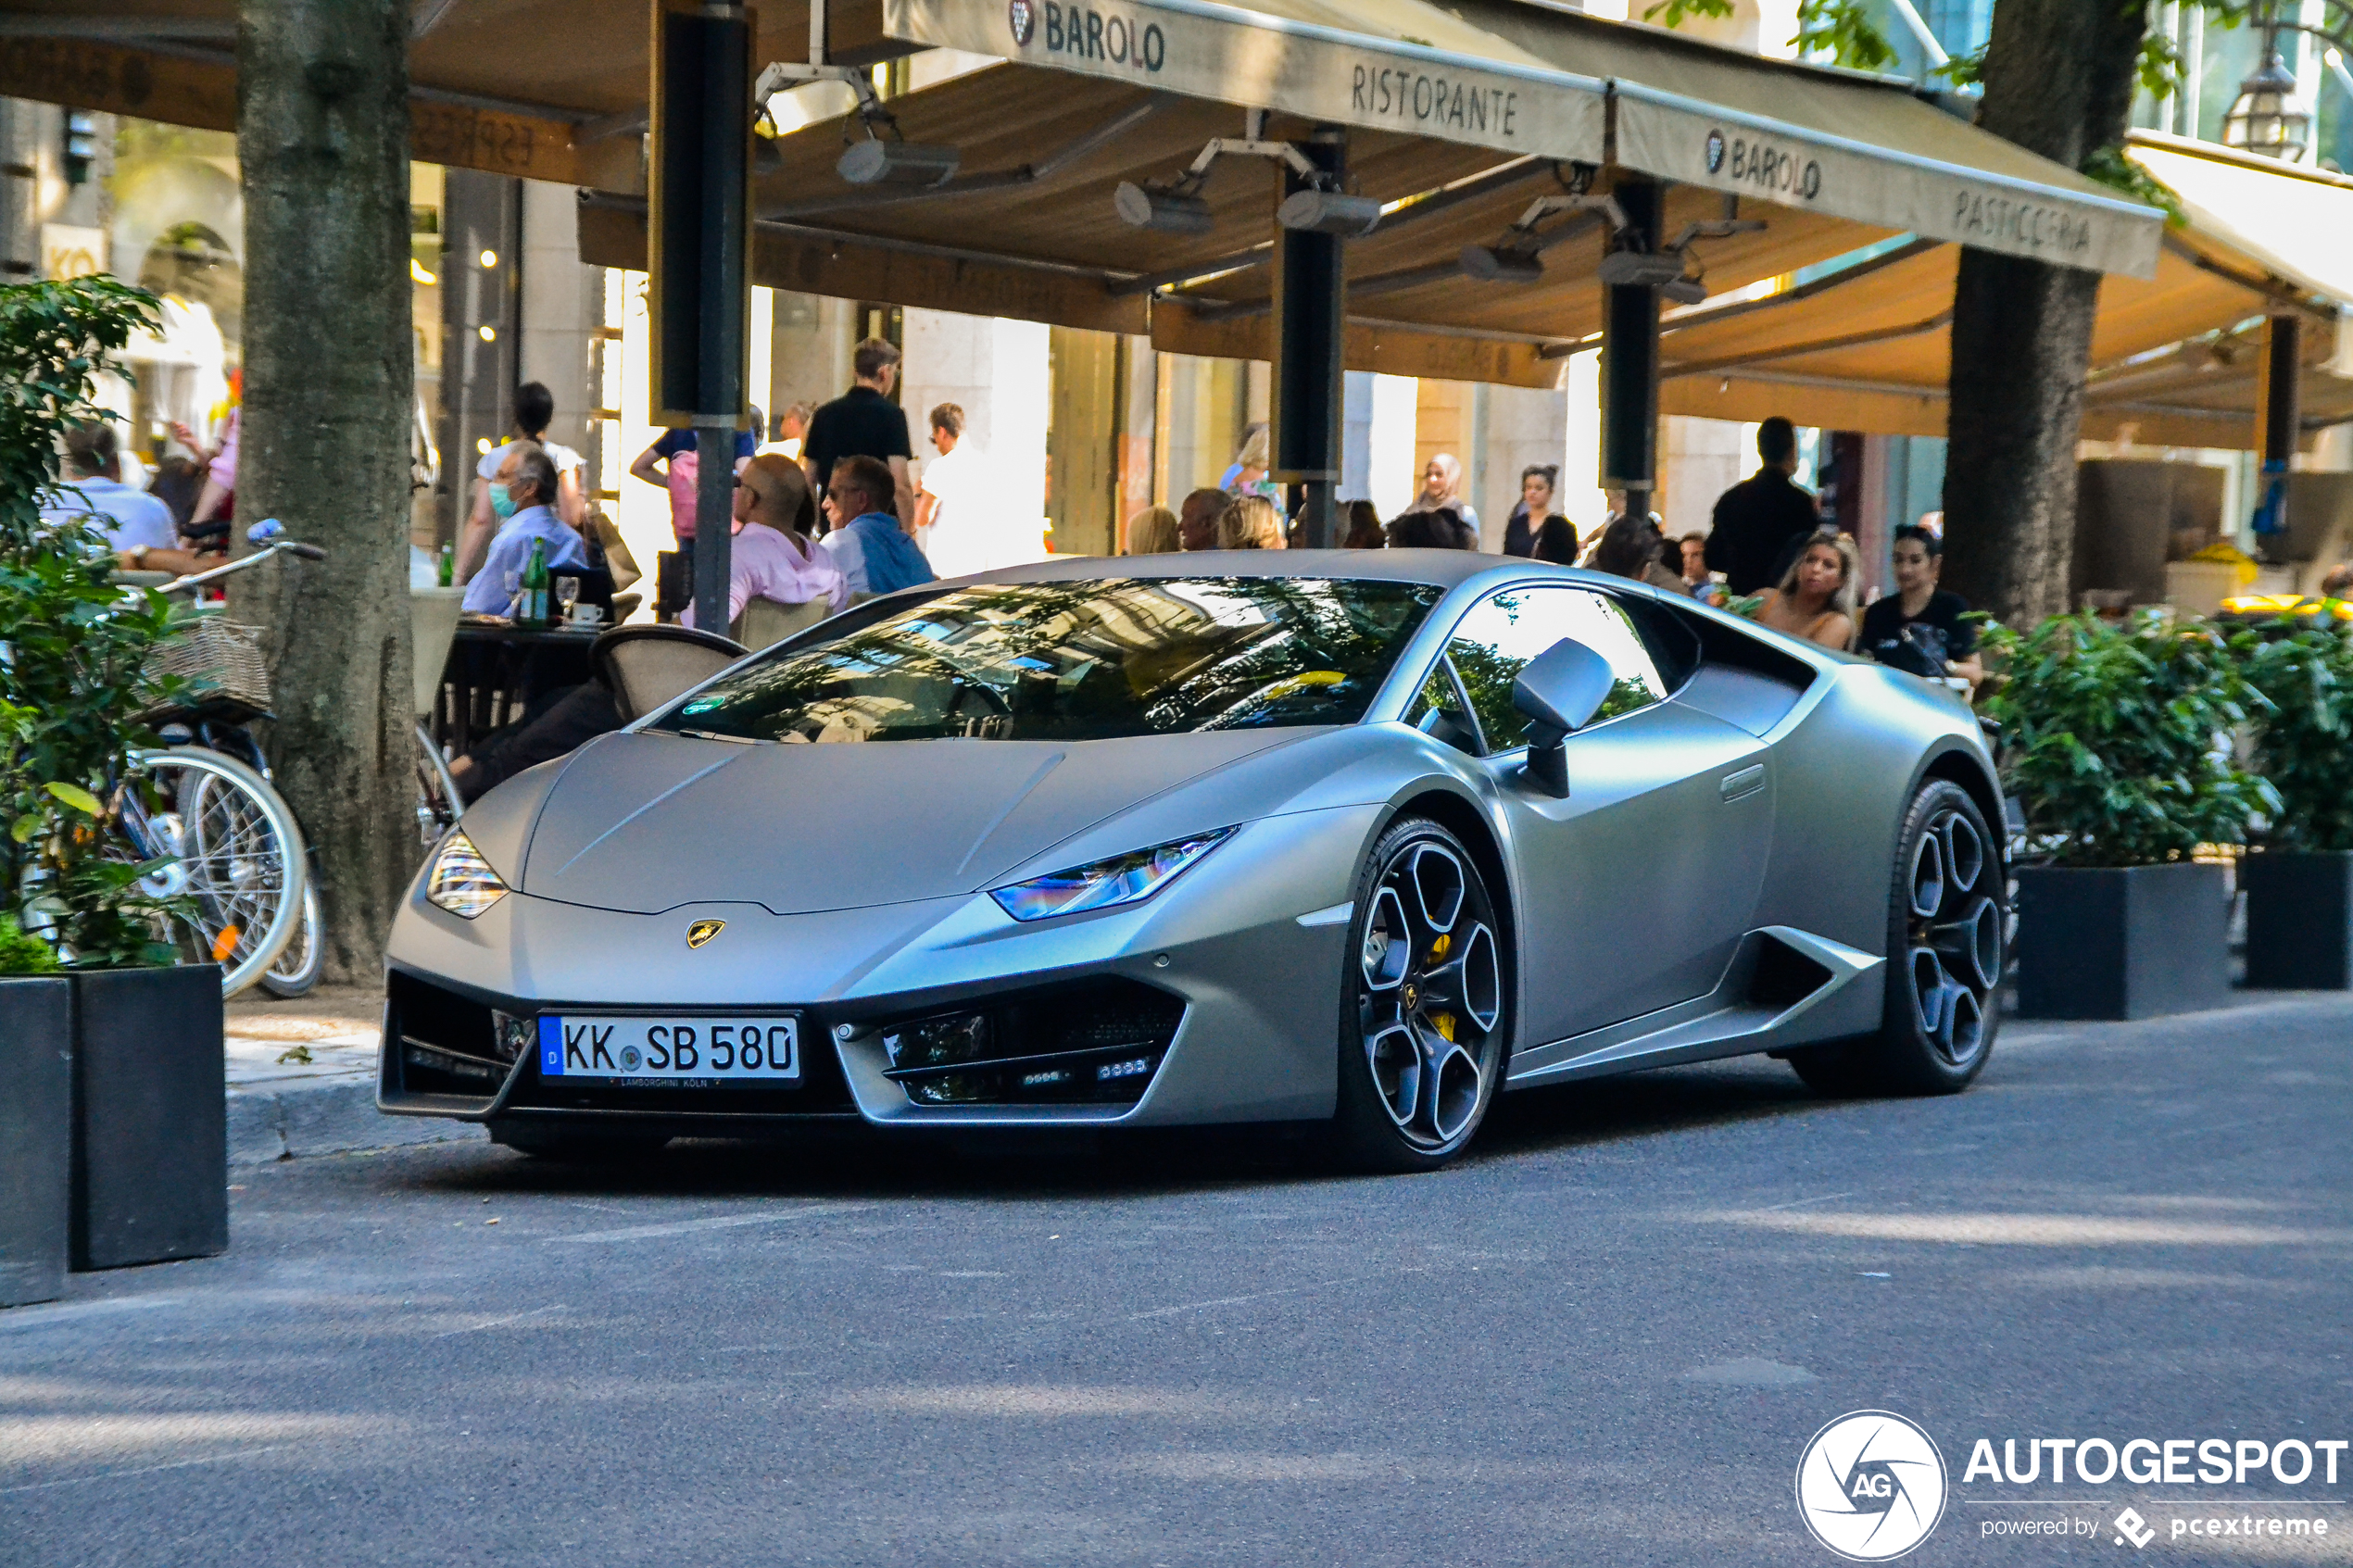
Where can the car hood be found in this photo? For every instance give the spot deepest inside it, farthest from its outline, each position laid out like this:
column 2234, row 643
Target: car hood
column 645, row 823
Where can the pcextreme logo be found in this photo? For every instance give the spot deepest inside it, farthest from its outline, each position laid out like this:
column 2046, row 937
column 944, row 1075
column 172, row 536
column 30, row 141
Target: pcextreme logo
column 1870, row 1486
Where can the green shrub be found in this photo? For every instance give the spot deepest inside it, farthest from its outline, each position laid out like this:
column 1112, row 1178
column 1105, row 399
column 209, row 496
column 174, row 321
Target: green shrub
column 23, row 954
column 71, row 646
column 2116, row 740
column 2304, row 733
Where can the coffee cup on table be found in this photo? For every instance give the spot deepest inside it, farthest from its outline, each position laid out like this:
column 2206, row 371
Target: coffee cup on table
column 588, row 615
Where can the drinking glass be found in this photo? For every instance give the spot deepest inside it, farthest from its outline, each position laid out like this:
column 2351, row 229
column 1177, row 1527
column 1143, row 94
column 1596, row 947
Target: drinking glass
column 566, row 595
column 514, row 591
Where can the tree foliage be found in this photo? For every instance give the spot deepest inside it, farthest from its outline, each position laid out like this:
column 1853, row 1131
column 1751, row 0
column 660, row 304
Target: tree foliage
column 2116, row 740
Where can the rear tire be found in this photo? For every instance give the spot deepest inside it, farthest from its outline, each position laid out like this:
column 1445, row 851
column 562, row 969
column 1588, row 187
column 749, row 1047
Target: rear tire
column 296, row 972
column 1424, row 1004
column 1948, row 912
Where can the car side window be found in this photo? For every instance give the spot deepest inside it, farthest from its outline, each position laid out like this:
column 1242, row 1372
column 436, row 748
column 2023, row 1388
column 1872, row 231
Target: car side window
column 1502, row 632
column 1439, row 713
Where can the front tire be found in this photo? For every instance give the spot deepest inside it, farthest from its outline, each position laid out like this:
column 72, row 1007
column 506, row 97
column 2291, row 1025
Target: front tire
column 1947, row 914
column 1425, row 1008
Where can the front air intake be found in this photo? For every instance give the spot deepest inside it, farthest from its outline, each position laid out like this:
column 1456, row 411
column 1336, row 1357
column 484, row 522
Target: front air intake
column 1093, row 1044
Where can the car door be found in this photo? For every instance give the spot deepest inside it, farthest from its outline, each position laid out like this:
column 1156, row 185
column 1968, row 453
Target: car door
column 1634, row 890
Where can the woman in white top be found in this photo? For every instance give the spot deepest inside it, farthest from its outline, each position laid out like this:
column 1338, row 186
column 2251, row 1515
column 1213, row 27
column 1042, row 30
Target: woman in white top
column 535, row 406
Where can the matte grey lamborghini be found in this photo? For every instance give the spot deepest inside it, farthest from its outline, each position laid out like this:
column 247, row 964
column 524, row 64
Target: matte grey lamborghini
column 1357, row 838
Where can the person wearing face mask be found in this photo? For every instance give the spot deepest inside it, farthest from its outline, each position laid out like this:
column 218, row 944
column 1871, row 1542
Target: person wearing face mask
column 523, row 495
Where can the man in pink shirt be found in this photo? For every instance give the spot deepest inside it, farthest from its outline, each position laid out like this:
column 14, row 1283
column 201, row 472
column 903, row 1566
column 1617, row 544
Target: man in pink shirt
column 773, row 557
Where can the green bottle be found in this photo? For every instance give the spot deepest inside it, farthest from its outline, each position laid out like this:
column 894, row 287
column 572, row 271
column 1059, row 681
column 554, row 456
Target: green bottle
column 448, row 565
column 534, row 611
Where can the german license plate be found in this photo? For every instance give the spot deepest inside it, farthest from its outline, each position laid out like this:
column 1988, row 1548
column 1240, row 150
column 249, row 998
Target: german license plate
column 704, row 1048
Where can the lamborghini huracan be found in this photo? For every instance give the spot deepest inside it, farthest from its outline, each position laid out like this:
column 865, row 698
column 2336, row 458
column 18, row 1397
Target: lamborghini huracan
column 1356, row 839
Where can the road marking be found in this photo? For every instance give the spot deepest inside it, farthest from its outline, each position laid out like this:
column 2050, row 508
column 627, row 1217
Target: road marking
column 1801, row 1202
column 1260, row 1296
column 144, row 1470
column 499, row 1322
column 715, row 1222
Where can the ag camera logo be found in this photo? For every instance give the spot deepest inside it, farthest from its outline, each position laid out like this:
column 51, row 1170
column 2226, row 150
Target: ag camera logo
column 1870, row 1486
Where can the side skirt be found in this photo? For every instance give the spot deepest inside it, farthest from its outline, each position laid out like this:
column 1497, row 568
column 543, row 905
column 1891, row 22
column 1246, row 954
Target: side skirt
column 1783, row 987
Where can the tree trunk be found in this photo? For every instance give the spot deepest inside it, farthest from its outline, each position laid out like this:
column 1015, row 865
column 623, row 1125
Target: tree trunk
column 2058, row 81
column 322, row 146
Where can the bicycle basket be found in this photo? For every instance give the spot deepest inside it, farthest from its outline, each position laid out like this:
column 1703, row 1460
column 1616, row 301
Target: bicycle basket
column 222, row 661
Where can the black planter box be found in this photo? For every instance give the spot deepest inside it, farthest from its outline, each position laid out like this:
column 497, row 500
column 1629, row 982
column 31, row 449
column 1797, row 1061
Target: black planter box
column 2135, row 942
column 150, row 1117
column 36, row 1141
column 2299, row 921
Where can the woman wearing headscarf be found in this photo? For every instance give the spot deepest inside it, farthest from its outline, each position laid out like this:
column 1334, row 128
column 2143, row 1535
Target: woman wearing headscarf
column 1442, row 491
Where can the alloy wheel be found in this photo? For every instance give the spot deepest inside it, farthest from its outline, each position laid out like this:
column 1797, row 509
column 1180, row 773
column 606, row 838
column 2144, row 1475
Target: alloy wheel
column 1429, row 995
column 1953, row 959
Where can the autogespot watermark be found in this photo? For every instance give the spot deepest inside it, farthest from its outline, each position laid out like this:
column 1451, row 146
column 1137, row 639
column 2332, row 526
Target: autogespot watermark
column 1873, row 1484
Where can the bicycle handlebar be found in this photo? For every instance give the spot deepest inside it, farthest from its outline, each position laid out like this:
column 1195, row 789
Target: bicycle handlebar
column 198, row 579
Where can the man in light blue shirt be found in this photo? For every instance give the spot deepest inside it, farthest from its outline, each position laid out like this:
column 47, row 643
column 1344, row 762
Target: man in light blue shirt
column 138, row 526
column 523, row 495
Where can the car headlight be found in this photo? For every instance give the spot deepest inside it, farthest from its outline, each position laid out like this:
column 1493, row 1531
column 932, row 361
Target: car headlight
column 1122, row 879
column 461, row 880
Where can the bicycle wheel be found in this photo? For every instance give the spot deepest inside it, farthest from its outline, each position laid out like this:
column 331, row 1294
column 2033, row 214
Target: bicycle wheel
column 438, row 807
column 236, row 852
column 297, row 970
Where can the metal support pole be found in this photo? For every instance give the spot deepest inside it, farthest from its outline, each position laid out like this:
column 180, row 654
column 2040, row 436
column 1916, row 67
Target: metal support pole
column 2278, row 418
column 1629, row 359
column 1311, row 306
column 699, row 232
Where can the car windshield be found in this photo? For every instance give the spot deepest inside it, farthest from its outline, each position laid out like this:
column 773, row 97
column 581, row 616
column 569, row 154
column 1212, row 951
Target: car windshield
column 1071, row 661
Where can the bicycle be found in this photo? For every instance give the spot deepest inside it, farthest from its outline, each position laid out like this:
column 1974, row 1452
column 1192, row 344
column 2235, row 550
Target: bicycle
column 227, row 826
column 233, row 847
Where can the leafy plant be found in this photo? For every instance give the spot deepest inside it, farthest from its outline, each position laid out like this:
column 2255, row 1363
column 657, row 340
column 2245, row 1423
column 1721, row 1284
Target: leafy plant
column 2116, row 739
column 2304, row 733
column 22, row 953
column 72, row 642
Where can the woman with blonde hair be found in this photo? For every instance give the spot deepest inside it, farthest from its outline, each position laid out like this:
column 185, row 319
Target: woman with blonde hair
column 1816, row 599
column 1249, row 523
column 1152, row 532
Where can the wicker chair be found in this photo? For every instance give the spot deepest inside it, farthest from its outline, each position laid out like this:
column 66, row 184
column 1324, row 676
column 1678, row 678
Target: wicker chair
column 646, row 665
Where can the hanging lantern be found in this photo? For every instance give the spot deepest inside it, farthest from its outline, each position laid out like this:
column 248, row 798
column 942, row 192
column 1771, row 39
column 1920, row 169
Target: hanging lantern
column 2270, row 118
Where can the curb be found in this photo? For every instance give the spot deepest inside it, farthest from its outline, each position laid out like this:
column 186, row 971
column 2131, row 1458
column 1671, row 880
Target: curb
column 330, row 1116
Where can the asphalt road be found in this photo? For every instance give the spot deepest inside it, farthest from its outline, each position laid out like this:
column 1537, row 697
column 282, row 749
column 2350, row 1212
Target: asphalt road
column 1605, row 1337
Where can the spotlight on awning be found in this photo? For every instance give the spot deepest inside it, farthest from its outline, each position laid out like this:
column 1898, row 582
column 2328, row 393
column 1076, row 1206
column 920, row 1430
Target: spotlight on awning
column 1171, row 212
column 1684, row 290
column 881, row 161
column 1490, row 264
column 1642, row 270
column 1328, row 212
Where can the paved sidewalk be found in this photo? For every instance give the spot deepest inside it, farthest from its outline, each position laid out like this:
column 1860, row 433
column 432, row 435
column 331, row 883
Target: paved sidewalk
column 302, row 1079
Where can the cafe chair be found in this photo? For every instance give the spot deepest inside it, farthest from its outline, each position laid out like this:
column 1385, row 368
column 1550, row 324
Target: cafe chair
column 646, row 665
column 765, row 622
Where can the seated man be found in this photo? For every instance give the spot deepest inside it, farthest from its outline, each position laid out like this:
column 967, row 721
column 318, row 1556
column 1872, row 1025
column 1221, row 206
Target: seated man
column 772, row 558
column 871, row 551
column 523, row 495
column 138, row 526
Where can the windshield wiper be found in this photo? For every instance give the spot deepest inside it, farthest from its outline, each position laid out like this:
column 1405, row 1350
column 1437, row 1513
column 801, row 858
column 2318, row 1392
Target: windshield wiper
column 714, row 734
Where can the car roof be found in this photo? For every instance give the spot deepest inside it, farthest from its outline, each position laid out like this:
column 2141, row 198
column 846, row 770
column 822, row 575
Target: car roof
column 1443, row 569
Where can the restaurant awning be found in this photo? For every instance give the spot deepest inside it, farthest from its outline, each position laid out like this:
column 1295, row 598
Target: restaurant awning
column 1460, row 118
column 2175, row 358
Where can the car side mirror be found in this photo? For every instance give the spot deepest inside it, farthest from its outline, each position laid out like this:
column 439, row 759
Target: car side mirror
column 1558, row 692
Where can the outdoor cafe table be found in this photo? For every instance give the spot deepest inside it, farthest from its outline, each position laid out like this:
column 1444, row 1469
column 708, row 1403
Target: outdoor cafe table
column 496, row 667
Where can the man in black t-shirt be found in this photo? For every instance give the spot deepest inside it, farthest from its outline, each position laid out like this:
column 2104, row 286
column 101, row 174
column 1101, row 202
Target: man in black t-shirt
column 1918, row 627
column 865, row 422
column 1757, row 519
